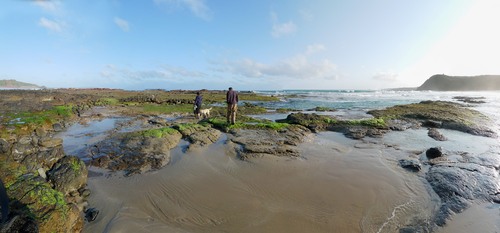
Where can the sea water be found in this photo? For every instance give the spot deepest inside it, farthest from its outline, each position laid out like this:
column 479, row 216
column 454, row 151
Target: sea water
column 355, row 103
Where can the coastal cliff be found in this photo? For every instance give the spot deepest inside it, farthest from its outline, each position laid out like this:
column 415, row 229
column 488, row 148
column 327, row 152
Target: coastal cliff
column 13, row 84
column 441, row 82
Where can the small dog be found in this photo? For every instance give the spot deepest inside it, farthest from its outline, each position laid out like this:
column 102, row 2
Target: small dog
column 205, row 113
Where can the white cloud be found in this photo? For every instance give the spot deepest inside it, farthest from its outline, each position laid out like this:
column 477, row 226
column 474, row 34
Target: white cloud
column 49, row 6
column 51, row 24
column 386, row 76
column 300, row 66
column 166, row 72
column 197, row 7
column 122, row 24
column 281, row 29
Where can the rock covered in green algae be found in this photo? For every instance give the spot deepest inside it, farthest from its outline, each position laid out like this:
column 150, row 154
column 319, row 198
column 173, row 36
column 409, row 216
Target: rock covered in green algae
column 135, row 152
column 448, row 115
column 262, row 142
column 34, row 200
column 68, row 174
column 197, row 134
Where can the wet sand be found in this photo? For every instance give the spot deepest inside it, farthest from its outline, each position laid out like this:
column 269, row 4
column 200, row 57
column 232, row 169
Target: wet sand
column 339, row 185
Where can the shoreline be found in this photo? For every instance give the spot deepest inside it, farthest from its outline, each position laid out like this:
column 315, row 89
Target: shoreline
column 247, row 143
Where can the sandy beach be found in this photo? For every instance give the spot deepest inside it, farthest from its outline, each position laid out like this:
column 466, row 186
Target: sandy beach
column 337, row 185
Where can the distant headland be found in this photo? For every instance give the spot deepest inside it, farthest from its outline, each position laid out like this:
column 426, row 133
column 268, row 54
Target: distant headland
column 13, row 84
column 441, row 82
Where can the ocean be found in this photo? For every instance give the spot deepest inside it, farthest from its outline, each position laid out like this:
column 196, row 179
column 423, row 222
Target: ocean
column 355, row 103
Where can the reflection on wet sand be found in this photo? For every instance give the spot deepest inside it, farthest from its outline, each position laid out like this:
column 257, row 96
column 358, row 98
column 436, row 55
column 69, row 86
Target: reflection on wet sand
column 333, row 187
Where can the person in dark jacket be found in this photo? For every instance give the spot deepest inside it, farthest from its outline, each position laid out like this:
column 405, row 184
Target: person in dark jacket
column 197, row 104
column 232, row 105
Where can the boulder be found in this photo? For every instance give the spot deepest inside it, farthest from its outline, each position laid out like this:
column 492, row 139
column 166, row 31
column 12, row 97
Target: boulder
column 411, row 164
column 256, row 143
column 68, row 174
column 50, row 142
column 135, row 152
column 4, row 146
column 436, row 135
column 458, row 184
column 434, row 152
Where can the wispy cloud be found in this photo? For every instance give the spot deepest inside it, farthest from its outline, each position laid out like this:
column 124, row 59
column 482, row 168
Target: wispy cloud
column 386, row 76
column 49, row 6
column 306, row 15
column 122, row 24
column 166, row 72
column 281, row 29
column 51, row 25
column 300, row 66
column 198, row 7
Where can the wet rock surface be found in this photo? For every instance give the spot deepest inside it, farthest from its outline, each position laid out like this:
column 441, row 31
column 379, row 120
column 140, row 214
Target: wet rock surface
column 460, row 184
column 198, row 135
column 257, row 143
column 436, row 135
column 134, row 152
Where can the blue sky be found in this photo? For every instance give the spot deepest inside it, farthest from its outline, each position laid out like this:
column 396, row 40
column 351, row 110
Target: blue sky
column 249, row 45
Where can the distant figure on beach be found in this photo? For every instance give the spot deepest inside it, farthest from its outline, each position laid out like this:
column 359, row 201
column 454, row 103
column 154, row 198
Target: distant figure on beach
column 197, row 104
column 232, row 105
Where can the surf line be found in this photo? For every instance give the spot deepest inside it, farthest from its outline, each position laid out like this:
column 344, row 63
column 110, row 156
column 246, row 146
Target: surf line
column 393, row 215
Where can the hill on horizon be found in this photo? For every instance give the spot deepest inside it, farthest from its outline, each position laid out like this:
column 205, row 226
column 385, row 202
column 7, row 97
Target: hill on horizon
column 14, row 84
column 441, row 82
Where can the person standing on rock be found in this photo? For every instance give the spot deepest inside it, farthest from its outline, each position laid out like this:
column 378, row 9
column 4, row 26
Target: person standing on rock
column 232, row 105
column 197, row 104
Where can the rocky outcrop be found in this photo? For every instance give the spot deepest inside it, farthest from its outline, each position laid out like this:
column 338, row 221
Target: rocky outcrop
column 314, row 122
column 256, row 143
column 37, row 204
column 441, row 82
column 459, row 184
column 68, row 175
column 198, row 135
column 441, row 114
column 459, row 179
column 436, row 135
column 135, row 152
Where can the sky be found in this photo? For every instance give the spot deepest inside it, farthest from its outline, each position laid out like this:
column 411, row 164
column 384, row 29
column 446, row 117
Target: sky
column 248, row 45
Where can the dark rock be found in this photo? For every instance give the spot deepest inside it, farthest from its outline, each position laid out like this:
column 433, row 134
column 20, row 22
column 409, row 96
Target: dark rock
column 256, row 143
column 470, row 100
column 4, row 146
column 4, row 203
column 402, row 125
column 84, row 192
column 91, row 214
column 21, row 223
column 471, row 129
column 43, row 159
column 458, row 184
column 313, row 121
column 134, row 152
column 40, row 132
column 432, row 124
column 436, row 135
column 411, row 164
column 68, row 174
column 50, row 142
column 58, row 127
column 434, row 152
column 158, row 121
